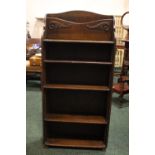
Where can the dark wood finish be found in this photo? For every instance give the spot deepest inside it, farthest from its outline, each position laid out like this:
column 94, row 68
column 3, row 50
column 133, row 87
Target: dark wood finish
column 97, row 144
column 81, row 25
column 64, row 101
column 88, row 119
column 77, row 87
column 75, row 130
column 78, row 51
column 79, row 62
column 78, row 41
column 77, row 74
column 78, row 59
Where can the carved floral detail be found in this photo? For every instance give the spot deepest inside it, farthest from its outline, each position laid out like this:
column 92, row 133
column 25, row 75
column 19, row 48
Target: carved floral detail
column 56, row 25
column 103, row 26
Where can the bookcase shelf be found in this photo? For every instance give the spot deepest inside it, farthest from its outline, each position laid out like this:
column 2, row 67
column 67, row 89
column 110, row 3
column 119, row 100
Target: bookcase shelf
column 87, row 119
column 78, row 50
column 79, row 41
column 74, row 143
column 77, row 87
column 78, row 62
column 75, row 51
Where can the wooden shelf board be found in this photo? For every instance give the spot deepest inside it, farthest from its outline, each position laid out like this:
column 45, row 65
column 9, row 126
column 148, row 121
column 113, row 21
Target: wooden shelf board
column 75, row 143
column 77, row 87
column 78, row 62
column 68, row 118
column 78, row 41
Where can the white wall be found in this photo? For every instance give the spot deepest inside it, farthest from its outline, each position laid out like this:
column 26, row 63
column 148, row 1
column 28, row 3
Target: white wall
column 38, row 8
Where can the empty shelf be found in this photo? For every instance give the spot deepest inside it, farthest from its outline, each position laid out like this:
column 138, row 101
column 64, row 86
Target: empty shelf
column 78, row 62
column 77, row 87
column 87, row 119
column 59, row 142
column 78, row 41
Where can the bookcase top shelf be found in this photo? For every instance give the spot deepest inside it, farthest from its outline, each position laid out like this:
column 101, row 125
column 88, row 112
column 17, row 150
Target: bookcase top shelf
column 78, row 62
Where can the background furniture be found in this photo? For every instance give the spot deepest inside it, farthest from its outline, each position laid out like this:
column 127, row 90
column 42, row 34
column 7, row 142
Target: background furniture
column 32, row 71
column 78, row 50
column 122, row 87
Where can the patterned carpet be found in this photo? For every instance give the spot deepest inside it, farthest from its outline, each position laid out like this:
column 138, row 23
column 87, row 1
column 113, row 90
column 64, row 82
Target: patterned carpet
column 118, row 134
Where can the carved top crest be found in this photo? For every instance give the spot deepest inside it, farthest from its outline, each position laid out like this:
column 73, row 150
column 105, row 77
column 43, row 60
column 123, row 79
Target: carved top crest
column 103, row 26
column 80, row 16
column 53, row 25
column 79, row 26
column 56, row 23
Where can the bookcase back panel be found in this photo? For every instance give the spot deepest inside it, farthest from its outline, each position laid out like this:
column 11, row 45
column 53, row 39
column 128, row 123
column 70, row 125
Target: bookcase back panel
column 78, row 74
column 73, row 130
column 76, row 102
column 76, row 51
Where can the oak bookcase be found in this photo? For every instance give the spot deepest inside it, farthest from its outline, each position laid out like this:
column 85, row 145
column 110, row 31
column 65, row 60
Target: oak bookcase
column 78, row 50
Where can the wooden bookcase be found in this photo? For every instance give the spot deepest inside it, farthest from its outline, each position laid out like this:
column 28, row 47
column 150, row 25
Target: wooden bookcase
column 78, row 51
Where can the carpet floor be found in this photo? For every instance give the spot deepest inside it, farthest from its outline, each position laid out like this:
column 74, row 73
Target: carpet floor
column 118, row 133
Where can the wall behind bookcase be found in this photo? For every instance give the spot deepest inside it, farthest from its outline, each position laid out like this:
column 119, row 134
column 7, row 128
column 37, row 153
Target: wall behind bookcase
column 120, row 34
column 38, row 9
